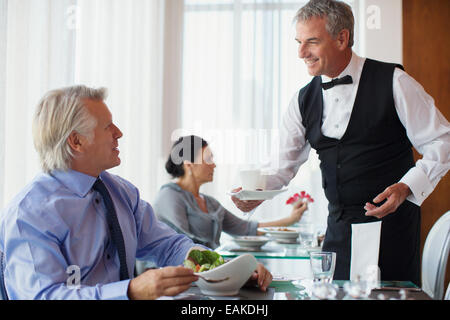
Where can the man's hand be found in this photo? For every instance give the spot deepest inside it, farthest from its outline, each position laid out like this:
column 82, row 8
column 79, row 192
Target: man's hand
column 395, row 195
column 154, row 283
column 245, row 205
column 261, row 277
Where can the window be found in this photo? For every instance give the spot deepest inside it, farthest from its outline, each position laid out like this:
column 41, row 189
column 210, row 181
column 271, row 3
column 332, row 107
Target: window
column 240, row 70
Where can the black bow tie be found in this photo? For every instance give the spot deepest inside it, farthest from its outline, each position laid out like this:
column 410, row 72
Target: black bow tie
column 337, row 81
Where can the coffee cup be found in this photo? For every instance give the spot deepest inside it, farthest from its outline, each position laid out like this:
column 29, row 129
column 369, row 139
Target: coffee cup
column 252, row 180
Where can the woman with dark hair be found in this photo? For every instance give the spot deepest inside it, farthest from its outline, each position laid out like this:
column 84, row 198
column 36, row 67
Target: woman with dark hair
column 201, row 217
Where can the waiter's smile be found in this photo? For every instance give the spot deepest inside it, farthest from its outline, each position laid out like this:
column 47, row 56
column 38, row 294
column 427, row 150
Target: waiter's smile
column 311, row 61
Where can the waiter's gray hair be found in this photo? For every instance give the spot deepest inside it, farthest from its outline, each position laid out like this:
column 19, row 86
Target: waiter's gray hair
column 339, row 16
column 58, row 114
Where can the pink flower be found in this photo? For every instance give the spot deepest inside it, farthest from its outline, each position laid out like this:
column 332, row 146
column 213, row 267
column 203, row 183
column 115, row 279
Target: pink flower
column 296, row 197
column 293, row 199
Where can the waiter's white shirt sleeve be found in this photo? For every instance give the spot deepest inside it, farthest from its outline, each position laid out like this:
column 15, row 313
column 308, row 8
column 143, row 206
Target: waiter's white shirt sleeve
column 428, row 131
column 293, row 148
column 426, row 127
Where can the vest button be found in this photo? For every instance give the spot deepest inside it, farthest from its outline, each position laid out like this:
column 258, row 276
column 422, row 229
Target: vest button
column 338, row 165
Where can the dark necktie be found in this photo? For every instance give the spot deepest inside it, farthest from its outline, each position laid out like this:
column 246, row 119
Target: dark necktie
column 114, row 227
column 337, row 81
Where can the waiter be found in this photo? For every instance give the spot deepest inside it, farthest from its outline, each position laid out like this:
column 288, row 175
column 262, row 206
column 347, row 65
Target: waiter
column 362, row 117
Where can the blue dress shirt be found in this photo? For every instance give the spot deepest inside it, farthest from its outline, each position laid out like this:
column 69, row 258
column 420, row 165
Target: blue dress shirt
column 56, row 240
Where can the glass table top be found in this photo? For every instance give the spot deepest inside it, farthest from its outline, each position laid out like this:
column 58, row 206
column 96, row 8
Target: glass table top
column 301, row 290
column 271, row 250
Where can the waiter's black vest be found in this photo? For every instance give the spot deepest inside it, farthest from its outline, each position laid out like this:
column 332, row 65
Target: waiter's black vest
column 374, row 152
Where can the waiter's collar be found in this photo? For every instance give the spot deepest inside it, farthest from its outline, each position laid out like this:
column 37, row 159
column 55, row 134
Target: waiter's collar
column 351, row 69
column 75, row 181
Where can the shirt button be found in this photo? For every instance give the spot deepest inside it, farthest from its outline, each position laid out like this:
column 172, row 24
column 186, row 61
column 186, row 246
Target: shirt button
column 336, row 100
column 338, row 165
column 423, row 194
column 97, row 201
column 336, row 126
column 108, row 256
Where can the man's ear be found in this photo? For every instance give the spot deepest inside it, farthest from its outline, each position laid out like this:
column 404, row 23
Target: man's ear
column 343, row 38
column 76, row 141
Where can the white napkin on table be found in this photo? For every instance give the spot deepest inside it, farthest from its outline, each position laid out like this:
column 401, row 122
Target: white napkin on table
column 365, row 248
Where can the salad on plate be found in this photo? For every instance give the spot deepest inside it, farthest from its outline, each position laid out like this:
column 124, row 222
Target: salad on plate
column 200, row 261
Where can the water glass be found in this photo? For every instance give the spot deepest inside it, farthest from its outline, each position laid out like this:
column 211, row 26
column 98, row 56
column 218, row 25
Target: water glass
column 322, row 266
column 307, row 234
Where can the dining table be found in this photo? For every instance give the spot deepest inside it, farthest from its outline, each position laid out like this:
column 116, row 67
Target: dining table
column 283, row 298
column 281, row 259
column 290, row 266
column 303, row 290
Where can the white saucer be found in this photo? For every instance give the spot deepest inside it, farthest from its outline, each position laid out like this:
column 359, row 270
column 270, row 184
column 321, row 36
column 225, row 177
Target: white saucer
column 255, row 242
column 256, row 195
column 278, row 235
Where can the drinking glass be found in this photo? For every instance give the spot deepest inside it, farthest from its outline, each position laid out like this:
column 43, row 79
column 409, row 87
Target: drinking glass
column 307, row 234
column 322, row 265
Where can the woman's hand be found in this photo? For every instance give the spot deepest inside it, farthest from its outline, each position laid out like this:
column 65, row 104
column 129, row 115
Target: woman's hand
column 296, row 214
column 297, row 210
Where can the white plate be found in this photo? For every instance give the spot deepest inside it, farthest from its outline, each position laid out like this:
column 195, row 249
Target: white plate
column 237, row 271
column 251, row 241
column 276, row 233
column 256, row 195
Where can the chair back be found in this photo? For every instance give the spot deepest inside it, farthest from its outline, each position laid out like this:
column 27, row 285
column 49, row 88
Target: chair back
column 435, row 257
column 447, row 295
column 3, row 294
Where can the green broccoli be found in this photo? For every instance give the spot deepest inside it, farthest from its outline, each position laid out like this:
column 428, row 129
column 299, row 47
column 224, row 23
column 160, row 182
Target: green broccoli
column 200, row 261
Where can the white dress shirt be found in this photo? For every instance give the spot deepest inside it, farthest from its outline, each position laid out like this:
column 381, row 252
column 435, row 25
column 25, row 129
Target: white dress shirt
column 426, row 127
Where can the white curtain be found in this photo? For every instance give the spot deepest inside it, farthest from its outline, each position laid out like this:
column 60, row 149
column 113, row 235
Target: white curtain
column 240, row 70
column 45, row 44
column 223, row 69
column 119, row 45
column 36, row 55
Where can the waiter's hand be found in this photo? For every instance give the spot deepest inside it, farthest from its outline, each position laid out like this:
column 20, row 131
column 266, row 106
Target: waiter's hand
column 394, row 195
column 245, row 205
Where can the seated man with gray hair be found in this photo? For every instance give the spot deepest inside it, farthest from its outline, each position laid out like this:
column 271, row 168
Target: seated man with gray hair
column 75, row 231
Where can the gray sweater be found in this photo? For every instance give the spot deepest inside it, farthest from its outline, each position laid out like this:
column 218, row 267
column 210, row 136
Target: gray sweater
column 179, row 209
